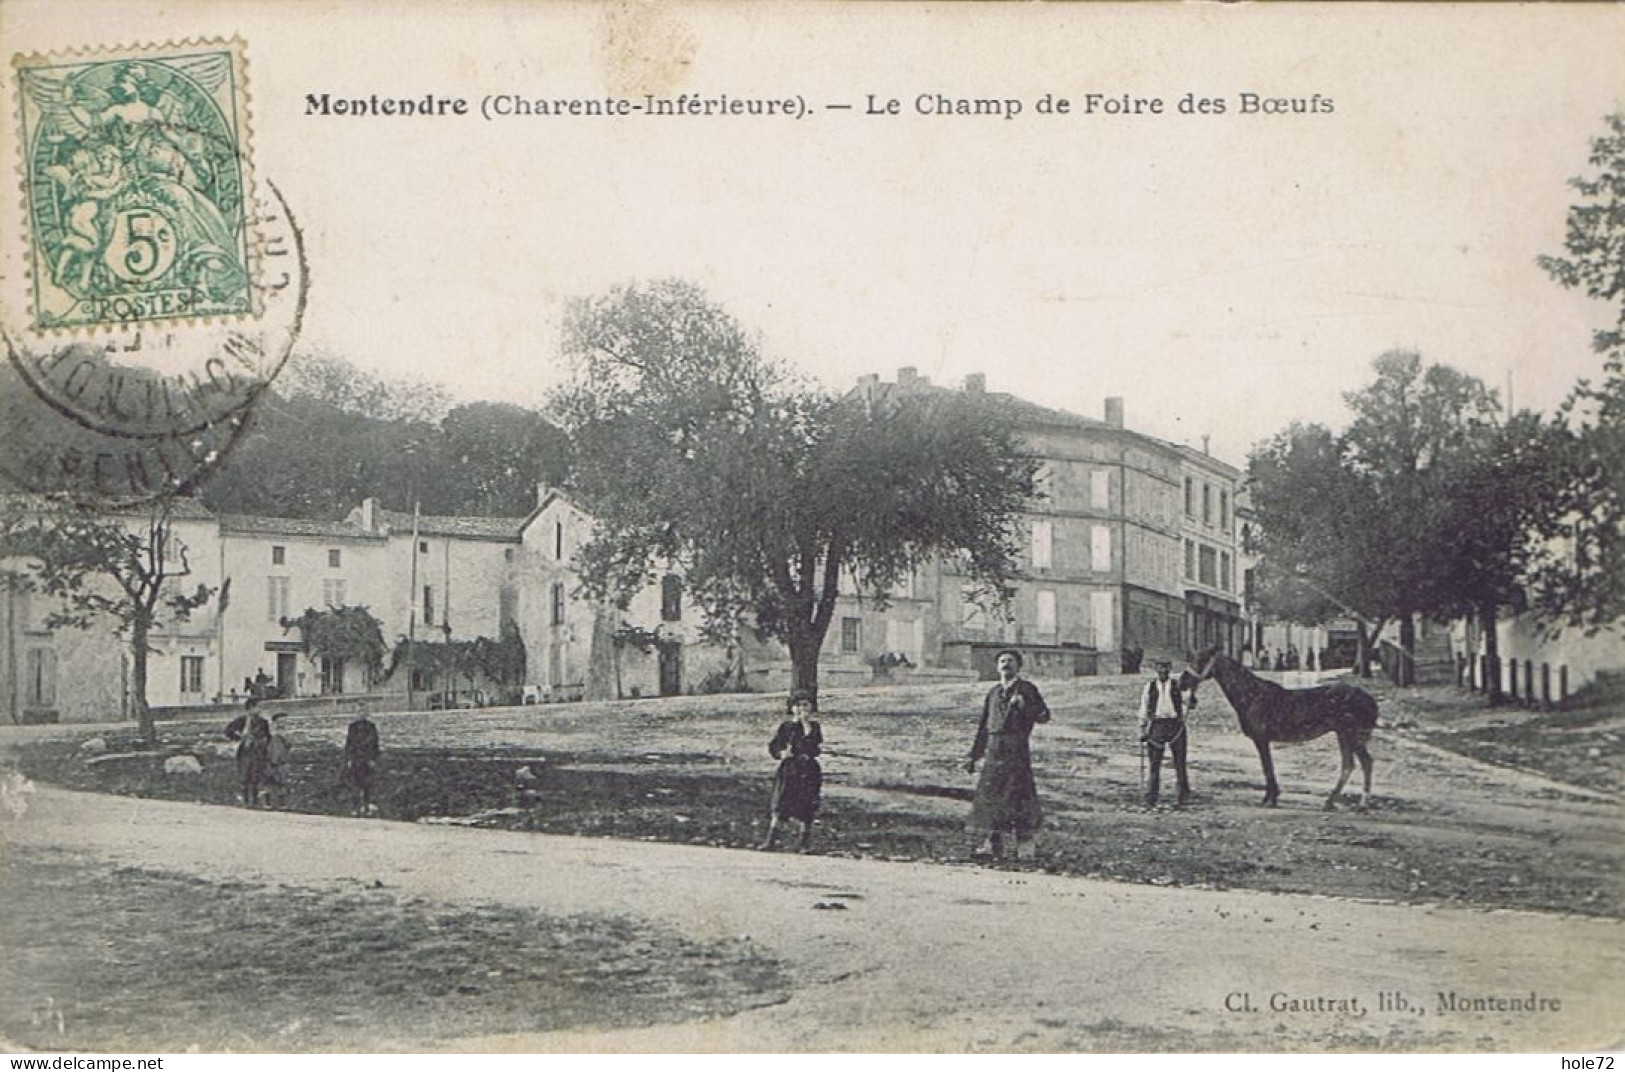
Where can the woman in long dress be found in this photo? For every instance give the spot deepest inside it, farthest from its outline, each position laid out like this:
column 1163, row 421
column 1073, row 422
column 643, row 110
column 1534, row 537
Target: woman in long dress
column 798, row 783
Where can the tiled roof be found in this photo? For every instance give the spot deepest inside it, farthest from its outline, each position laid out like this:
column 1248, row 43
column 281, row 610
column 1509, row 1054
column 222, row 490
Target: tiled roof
column 470, row 528
column 252, row 525
column 1018, row 411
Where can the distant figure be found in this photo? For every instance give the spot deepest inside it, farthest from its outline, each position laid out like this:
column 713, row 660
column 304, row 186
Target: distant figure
column 798, row 783
column 253, row 736
column 1311, row 658
column 276, row 765
column 1006, row 796
column 1263, row 660
column 1247, row 657
column 260, row 687
column 361, row 752
column 1280, row 661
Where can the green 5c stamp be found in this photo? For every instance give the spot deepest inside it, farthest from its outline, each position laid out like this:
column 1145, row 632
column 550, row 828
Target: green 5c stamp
column 136, row 185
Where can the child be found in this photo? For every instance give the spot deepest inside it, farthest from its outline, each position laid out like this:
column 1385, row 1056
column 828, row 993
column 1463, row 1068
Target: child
column 798, row 783
column 253, row 736
column 361, row 752
column 276, row 765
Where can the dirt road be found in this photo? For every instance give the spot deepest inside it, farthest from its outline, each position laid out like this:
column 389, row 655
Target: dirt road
column 895, row 956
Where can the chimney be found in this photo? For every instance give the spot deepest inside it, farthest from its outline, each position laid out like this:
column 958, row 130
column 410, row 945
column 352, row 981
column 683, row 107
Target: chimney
column 542, row 492
column 907, row 376
column 1114, row 412
column 1204, row 444
column 369, row 514
column 975, row 383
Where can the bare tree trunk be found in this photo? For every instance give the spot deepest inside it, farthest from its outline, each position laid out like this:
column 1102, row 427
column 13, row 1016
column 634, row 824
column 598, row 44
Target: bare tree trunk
column 1492, row 655
column 1407, row 645
column 804, row 650
column 139, row 630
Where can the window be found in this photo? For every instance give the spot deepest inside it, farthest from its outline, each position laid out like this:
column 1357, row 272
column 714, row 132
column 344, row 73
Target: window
column 1100, row 489
column 671, row 598
column 333, row 592
column 558, row 541
column 1190, row 497
column 428, row 604
column 1100, row 548
column 333, row 558
column 1190, row 561
column 851, row 635
column 279, row 556
column 41, row 670
column 276, row 598
column 507, row 608
column 1224, row 510
column 1044, row 612
column 1207, row 504
column 1208, row 563
column 557, row 617
column 191, row 673
column 332, row 676
column 1043, row 538
column 423, row 547
column 1224, row 570
column 507, row 554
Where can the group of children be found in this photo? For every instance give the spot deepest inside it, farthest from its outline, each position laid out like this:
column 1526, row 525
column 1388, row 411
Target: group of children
column 262, row 759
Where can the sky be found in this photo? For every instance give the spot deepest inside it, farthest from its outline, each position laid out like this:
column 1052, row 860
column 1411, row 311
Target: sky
column 1225, row 275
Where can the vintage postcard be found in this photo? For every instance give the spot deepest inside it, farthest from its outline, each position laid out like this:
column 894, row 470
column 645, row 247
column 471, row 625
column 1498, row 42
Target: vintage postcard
column 646, row 526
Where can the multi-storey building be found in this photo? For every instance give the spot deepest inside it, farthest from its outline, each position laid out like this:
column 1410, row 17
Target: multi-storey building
column 1105, row 544
column 1209, row 552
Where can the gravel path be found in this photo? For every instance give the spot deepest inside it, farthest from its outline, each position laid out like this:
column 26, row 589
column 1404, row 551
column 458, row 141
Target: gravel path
column 890, row 956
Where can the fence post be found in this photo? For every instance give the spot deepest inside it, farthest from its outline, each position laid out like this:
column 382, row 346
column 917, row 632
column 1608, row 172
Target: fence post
column 1529, row 681
column 1563, row 683
column 1546, row 684
column 1512, row 680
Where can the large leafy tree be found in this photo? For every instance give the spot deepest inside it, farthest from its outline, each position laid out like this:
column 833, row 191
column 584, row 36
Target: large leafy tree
column 1584, row 586
column 130, row 569
column 1417, row 508
column 1317, row 536
column 694, row 450
column 495, row 453
column 1496, row 496
column 1411, row 425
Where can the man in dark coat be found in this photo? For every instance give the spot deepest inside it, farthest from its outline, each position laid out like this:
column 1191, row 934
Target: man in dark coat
column 1006, row 795
column 253, row 736
column 1162, row 723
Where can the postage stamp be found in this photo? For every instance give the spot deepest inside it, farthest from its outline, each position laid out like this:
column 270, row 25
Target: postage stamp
column 138, row 194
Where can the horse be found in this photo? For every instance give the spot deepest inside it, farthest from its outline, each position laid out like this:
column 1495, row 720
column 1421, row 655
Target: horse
column 1269, row 714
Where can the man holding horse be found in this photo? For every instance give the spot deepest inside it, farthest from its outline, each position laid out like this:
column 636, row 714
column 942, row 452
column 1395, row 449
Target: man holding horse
column 1162, row 724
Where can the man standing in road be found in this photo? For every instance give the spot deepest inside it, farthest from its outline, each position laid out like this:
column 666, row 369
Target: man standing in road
column 1162, row 723
column 1006, row 795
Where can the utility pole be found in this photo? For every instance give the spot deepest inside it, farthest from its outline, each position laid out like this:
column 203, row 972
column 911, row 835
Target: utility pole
column 412, row 607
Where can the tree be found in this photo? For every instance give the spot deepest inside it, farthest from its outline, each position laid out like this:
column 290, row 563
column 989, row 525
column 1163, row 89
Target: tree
column 496, row 453
column 1319, row 537
column 342, row 634
column 1496, row 497
column 1584, row 587
column 127, row 569
column 1414, row 509
column 694, row 451
column 324, row 377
